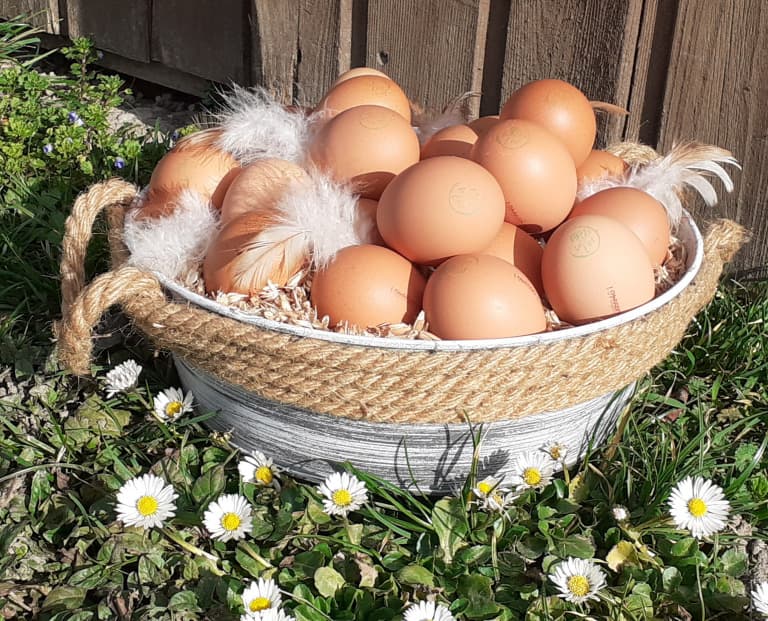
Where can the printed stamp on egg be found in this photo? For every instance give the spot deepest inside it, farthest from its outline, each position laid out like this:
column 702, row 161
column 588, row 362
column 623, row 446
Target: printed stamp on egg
column 583, row 241
column 374, row 119
column 512, row 137
column 464, row 199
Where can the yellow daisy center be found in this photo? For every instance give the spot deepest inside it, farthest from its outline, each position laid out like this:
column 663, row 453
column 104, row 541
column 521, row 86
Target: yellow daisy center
column 260, row 603
column 230, row 521
column 555, row 453
column 173, row 409
column 532, row 476
column 342, row 498
column 484, row 487
column 578, row 585
column 697, row 507
column 147, row 505
column 264, row 475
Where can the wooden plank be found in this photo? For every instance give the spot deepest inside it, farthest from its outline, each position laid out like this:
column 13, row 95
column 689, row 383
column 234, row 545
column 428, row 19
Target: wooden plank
column 42, row 13
column 434, row 49
column 716, row 91
column 589, row 44
column 114, row 25
column 274, row 52
column 649, row 75
column 323, row 53
column 202, row 37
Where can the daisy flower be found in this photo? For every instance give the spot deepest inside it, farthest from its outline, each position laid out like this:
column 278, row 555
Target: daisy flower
column 228, row 517
column 343, row 493
column 698, row 505
column 272, row 614
column 556, row 451
column 145, row 501
column 532, row 469
column 492, row 496
column 427, row 611
column 260, row 597
column 123, row 377
column 578, row 580
column 259, row 469
column 620, row 513
column 760, row 599
column 172, row 403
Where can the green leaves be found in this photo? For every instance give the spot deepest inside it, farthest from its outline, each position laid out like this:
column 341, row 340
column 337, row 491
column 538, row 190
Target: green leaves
column 449, row 522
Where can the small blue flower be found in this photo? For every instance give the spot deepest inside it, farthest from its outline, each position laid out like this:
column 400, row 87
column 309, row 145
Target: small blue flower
column 175, row 135
column 99, row 54
column 119, row 163
column 75, row 119
column 47, row 149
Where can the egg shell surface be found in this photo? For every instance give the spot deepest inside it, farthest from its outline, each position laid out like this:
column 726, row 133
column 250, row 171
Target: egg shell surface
column 367, row 146
column 366, row 90
column 534, row 169
column 515, row 246
column 635, row 209
column 368, row 285
column 453, row 140
column 594, row 267
column 479, row 296
column 600, row 164
column 440, row 207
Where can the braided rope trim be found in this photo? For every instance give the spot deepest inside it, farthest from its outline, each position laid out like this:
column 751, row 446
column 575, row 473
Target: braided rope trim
column 369, row 383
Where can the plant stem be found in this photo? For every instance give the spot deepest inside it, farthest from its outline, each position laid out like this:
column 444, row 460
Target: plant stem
column 212, row 560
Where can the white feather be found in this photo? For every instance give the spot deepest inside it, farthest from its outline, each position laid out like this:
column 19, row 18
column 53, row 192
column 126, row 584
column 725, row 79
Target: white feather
column 426, row 124
column 689, row 164
column 176, row 244
column 255, row 126
column 324, row 212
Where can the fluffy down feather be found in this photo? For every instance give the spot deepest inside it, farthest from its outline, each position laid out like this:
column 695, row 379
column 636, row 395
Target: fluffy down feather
column 254, row 126
column 456, row 112
column 686, row 165
column 174, row 245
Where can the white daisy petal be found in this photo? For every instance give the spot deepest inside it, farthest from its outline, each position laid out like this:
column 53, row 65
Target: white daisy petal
column 260, row 597
column 578, row 580
column 620, row 513
column 343, row 493
column 273, row 614
column 556, row 451
column 172, row 403
column 123, row 377
column 259, row 469
column 228, row 517
column 427, row 611
column 699, row 506
column 533, row 469
column 145, row 501
column 760, row 599
column 492, row 495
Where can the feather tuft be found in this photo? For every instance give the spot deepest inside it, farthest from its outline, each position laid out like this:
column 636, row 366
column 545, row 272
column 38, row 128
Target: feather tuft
column 254, row 126
column 686, row 165
column 455, row 112
column 173, row 245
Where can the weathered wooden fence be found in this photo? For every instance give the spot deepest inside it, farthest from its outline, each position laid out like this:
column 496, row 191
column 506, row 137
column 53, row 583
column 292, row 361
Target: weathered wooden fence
column 685, row 69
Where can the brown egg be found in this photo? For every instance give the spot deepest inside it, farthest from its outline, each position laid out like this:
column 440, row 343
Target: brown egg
column 478, row 296
column 454, row 140
column 199, row 166
column 483, row 124
column 535, row 172
column 259, row 186
column 594, row 267
column 559, row 107
column 236, row 263
column 366, row 90
column 440, row 207
column 366, row 145
column 515, row 246
column 638, row 211
column 600, row 164
column 366, row 286
column 356, row 72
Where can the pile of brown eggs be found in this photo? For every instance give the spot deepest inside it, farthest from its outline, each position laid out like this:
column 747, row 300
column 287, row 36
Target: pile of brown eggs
column 479, row 226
